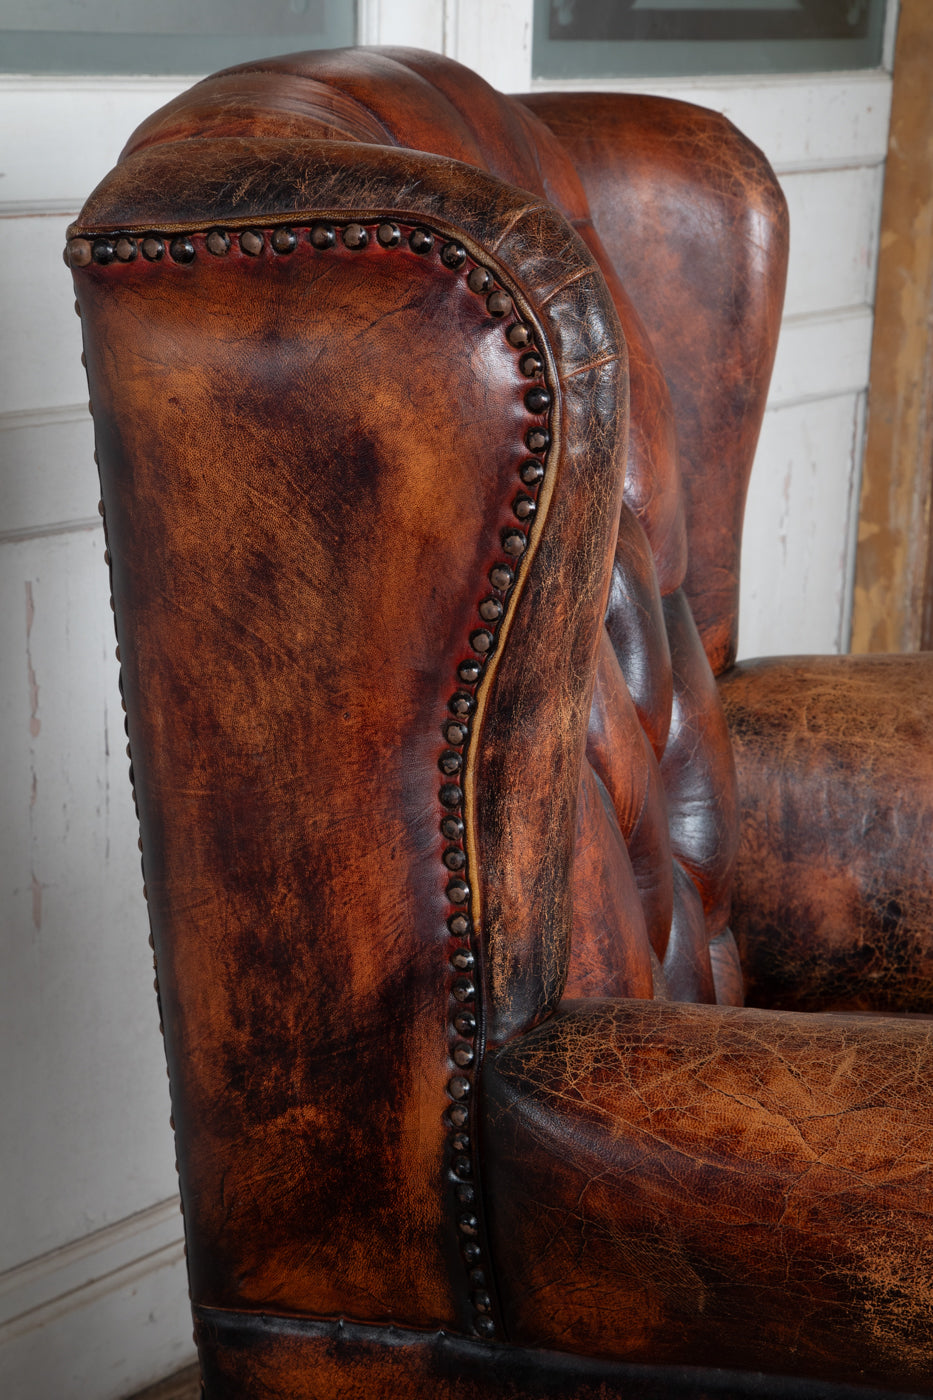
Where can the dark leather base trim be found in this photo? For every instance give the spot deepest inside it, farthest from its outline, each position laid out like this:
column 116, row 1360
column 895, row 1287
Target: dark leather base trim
column 255, row 1356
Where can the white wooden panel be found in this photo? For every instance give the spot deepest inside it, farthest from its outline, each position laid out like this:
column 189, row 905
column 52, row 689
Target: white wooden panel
column 493, row 37
column 822, row 356
column 418, row 23
column 70, row 132
column 113, row 1314
column 40, row 358
column 834, row 216
column 797, row 543
column 41, row 1284
column 47, row 471
column 83, row 1097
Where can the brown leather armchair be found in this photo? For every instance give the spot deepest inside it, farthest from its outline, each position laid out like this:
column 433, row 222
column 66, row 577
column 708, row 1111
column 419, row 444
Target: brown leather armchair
column 424, row 419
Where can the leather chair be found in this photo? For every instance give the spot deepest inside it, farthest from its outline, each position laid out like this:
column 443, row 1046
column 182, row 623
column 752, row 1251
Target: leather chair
column 424, row 419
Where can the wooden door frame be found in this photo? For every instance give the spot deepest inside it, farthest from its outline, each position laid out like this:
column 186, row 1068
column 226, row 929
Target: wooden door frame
column 893, row 594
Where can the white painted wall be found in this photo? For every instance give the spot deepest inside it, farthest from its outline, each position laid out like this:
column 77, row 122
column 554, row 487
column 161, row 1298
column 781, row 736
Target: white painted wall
column 92, row 1289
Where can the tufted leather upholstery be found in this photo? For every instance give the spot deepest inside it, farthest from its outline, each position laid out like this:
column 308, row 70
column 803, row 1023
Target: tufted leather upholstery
column 424, row 418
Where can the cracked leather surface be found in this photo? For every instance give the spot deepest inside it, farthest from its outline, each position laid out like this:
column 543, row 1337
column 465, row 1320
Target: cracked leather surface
column 696, row 228
column 834, row 887
column 721, row 1186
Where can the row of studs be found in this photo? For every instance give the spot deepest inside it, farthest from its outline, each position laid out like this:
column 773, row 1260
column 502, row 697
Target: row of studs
column 322, row 236
column 181, row 249
column 462, row 705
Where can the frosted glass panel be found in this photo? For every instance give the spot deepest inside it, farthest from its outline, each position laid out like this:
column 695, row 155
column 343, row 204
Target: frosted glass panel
column 604, row 38
column 163, row 36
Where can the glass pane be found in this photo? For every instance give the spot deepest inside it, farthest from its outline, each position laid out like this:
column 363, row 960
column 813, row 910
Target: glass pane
column 163, row 36
column 606, row 38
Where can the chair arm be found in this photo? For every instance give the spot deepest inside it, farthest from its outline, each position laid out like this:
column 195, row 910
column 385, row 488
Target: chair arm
column 732, row 1187
column 833, row 896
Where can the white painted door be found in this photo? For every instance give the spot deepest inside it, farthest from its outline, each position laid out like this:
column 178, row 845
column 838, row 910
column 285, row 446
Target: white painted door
column 92, row 1289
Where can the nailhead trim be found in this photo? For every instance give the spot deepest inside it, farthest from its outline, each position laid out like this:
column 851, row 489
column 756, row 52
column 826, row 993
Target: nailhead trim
column 465, row 955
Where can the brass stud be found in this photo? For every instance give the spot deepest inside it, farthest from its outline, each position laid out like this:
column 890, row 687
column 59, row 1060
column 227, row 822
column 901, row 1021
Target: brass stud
column 452, row 828
column 458, row 892
column 77, row 309
column 252, row 242
column 490, row 609
column 468, row 1225
column 389, row 235
column 471, row 1252
column 462, row 1165
column 284, row 240
column 460, row 1142
column 420, row 240
column 537, row 440
column 79, row 252
column 451, row 795
column 479, row 280
column 478, row 1278
column 462, row 704
column 482, row 1301
column 181, row 249
column 537, row 400
column 453, row 255
column 458, row 1115
column 481, row 641
column 323, row 236
column 459, row 1087
column 450, row 762
column 469, row 671
column 524, row 507
column 519, row 335
column 102, row 251
column 355, row 236
column 485, row 1327
column 531, row 472
column 466, row 1195
column 455, row 733
column 463, row 989
column 459, row 925
column 153, row 248
column 465, row 1022
column 514, row 544
column 217, row 243
column 499, row 304
column 463, row 960
column 126, row 249
column 530, row 365
column 501, row 576
column 454, row 858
